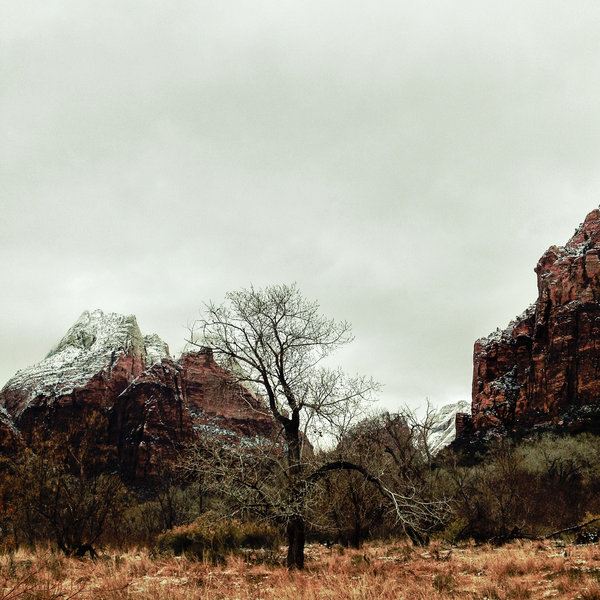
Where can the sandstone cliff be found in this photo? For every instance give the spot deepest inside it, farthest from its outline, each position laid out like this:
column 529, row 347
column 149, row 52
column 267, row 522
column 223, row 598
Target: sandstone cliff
column 150, row 404
column 545, row 366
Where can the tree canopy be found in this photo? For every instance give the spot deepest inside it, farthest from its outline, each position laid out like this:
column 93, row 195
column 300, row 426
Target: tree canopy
column 275, row 341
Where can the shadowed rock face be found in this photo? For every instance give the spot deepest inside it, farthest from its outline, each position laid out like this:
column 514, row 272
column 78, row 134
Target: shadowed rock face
column 174, row 402
column 545, row 366
column 10, row 437
column 151, row 404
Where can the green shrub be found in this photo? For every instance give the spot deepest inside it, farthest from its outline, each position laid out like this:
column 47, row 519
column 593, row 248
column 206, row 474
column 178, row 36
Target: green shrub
column 212, row 538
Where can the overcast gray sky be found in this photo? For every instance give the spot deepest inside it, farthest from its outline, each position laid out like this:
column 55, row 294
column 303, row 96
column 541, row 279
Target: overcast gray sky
column 406, row 163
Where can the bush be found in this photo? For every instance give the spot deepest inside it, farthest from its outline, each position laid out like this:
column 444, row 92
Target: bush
column 531, row 488
column 211, row 538
column 444, row 582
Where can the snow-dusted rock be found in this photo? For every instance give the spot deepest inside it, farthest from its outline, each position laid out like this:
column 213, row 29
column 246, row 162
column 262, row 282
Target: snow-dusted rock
column 10, row 437
column 151, row 404
column 156, row 349
column 545, row 364
column 443, row 425
column 105, row 350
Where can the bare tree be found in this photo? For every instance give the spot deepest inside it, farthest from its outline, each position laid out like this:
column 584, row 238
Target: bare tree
column 275, row 341
column 394, row 446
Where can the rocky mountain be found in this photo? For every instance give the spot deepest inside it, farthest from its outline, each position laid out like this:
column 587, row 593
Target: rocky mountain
column 150, row 405
column 544, row 368
column 101, row 353
column 443, row 425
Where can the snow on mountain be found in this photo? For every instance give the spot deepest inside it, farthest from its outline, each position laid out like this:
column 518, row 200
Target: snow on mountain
column 6, row 420
column 152, row 404
column 505, row 334
column 443, row 429
column 156, row 349
column 90, row 346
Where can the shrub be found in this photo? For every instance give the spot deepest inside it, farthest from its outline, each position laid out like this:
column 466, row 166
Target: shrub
column 443, row 582
column 211, row 538
column 455, row 530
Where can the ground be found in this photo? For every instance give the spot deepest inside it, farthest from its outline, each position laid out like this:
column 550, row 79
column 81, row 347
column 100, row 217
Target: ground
column 390, row 571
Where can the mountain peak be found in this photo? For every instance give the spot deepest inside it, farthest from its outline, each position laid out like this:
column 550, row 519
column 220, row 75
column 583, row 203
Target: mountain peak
column 587, row 234
column 94, row 343
column 152, row 404
column 96, row 330
column 443, row 425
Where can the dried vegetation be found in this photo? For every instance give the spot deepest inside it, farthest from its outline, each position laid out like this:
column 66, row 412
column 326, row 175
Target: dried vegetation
column 516, row 571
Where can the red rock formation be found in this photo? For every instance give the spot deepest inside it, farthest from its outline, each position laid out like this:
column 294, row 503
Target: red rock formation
column 148, row 422
column 545, row 367
column 463, row 423
column 174, row 402
column 213, row 397
column 151, row 405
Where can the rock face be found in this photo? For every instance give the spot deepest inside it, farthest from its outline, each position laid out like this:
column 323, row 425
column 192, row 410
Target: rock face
column 150, row 404
column 93, row 363
column 444, row 425
column 10, row 437
column 545, row 366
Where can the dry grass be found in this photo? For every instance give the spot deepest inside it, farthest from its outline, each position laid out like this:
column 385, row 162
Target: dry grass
column 378, row 572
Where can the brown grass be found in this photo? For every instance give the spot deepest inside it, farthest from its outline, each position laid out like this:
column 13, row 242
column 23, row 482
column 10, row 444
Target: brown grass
column 519, row 571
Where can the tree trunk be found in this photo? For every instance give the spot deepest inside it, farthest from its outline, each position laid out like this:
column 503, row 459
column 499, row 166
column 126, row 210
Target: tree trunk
column 295, row 535
column 295, row 527
column 85, row 548
column 356, row 538
column 417, row 538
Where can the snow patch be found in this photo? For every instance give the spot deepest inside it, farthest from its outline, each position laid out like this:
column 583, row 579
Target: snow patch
column 156, row 349
column 6, row 419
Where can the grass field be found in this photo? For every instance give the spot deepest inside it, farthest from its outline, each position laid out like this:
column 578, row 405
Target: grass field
column 378, row 572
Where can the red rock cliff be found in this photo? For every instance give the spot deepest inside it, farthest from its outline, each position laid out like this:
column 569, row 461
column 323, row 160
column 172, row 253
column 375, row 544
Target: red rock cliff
column 545, row 367
column 151, row 405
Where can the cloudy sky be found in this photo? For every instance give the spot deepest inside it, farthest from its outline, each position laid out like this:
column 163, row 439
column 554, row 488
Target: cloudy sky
column 406, row 163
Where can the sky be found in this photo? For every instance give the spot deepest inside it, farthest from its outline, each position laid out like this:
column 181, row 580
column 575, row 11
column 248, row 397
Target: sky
column 405, row 163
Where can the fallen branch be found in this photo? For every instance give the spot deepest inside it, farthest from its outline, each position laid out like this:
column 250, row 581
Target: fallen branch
column 567, row 529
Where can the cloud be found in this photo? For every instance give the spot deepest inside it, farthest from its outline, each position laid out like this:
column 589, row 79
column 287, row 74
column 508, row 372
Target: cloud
column 406, row 164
